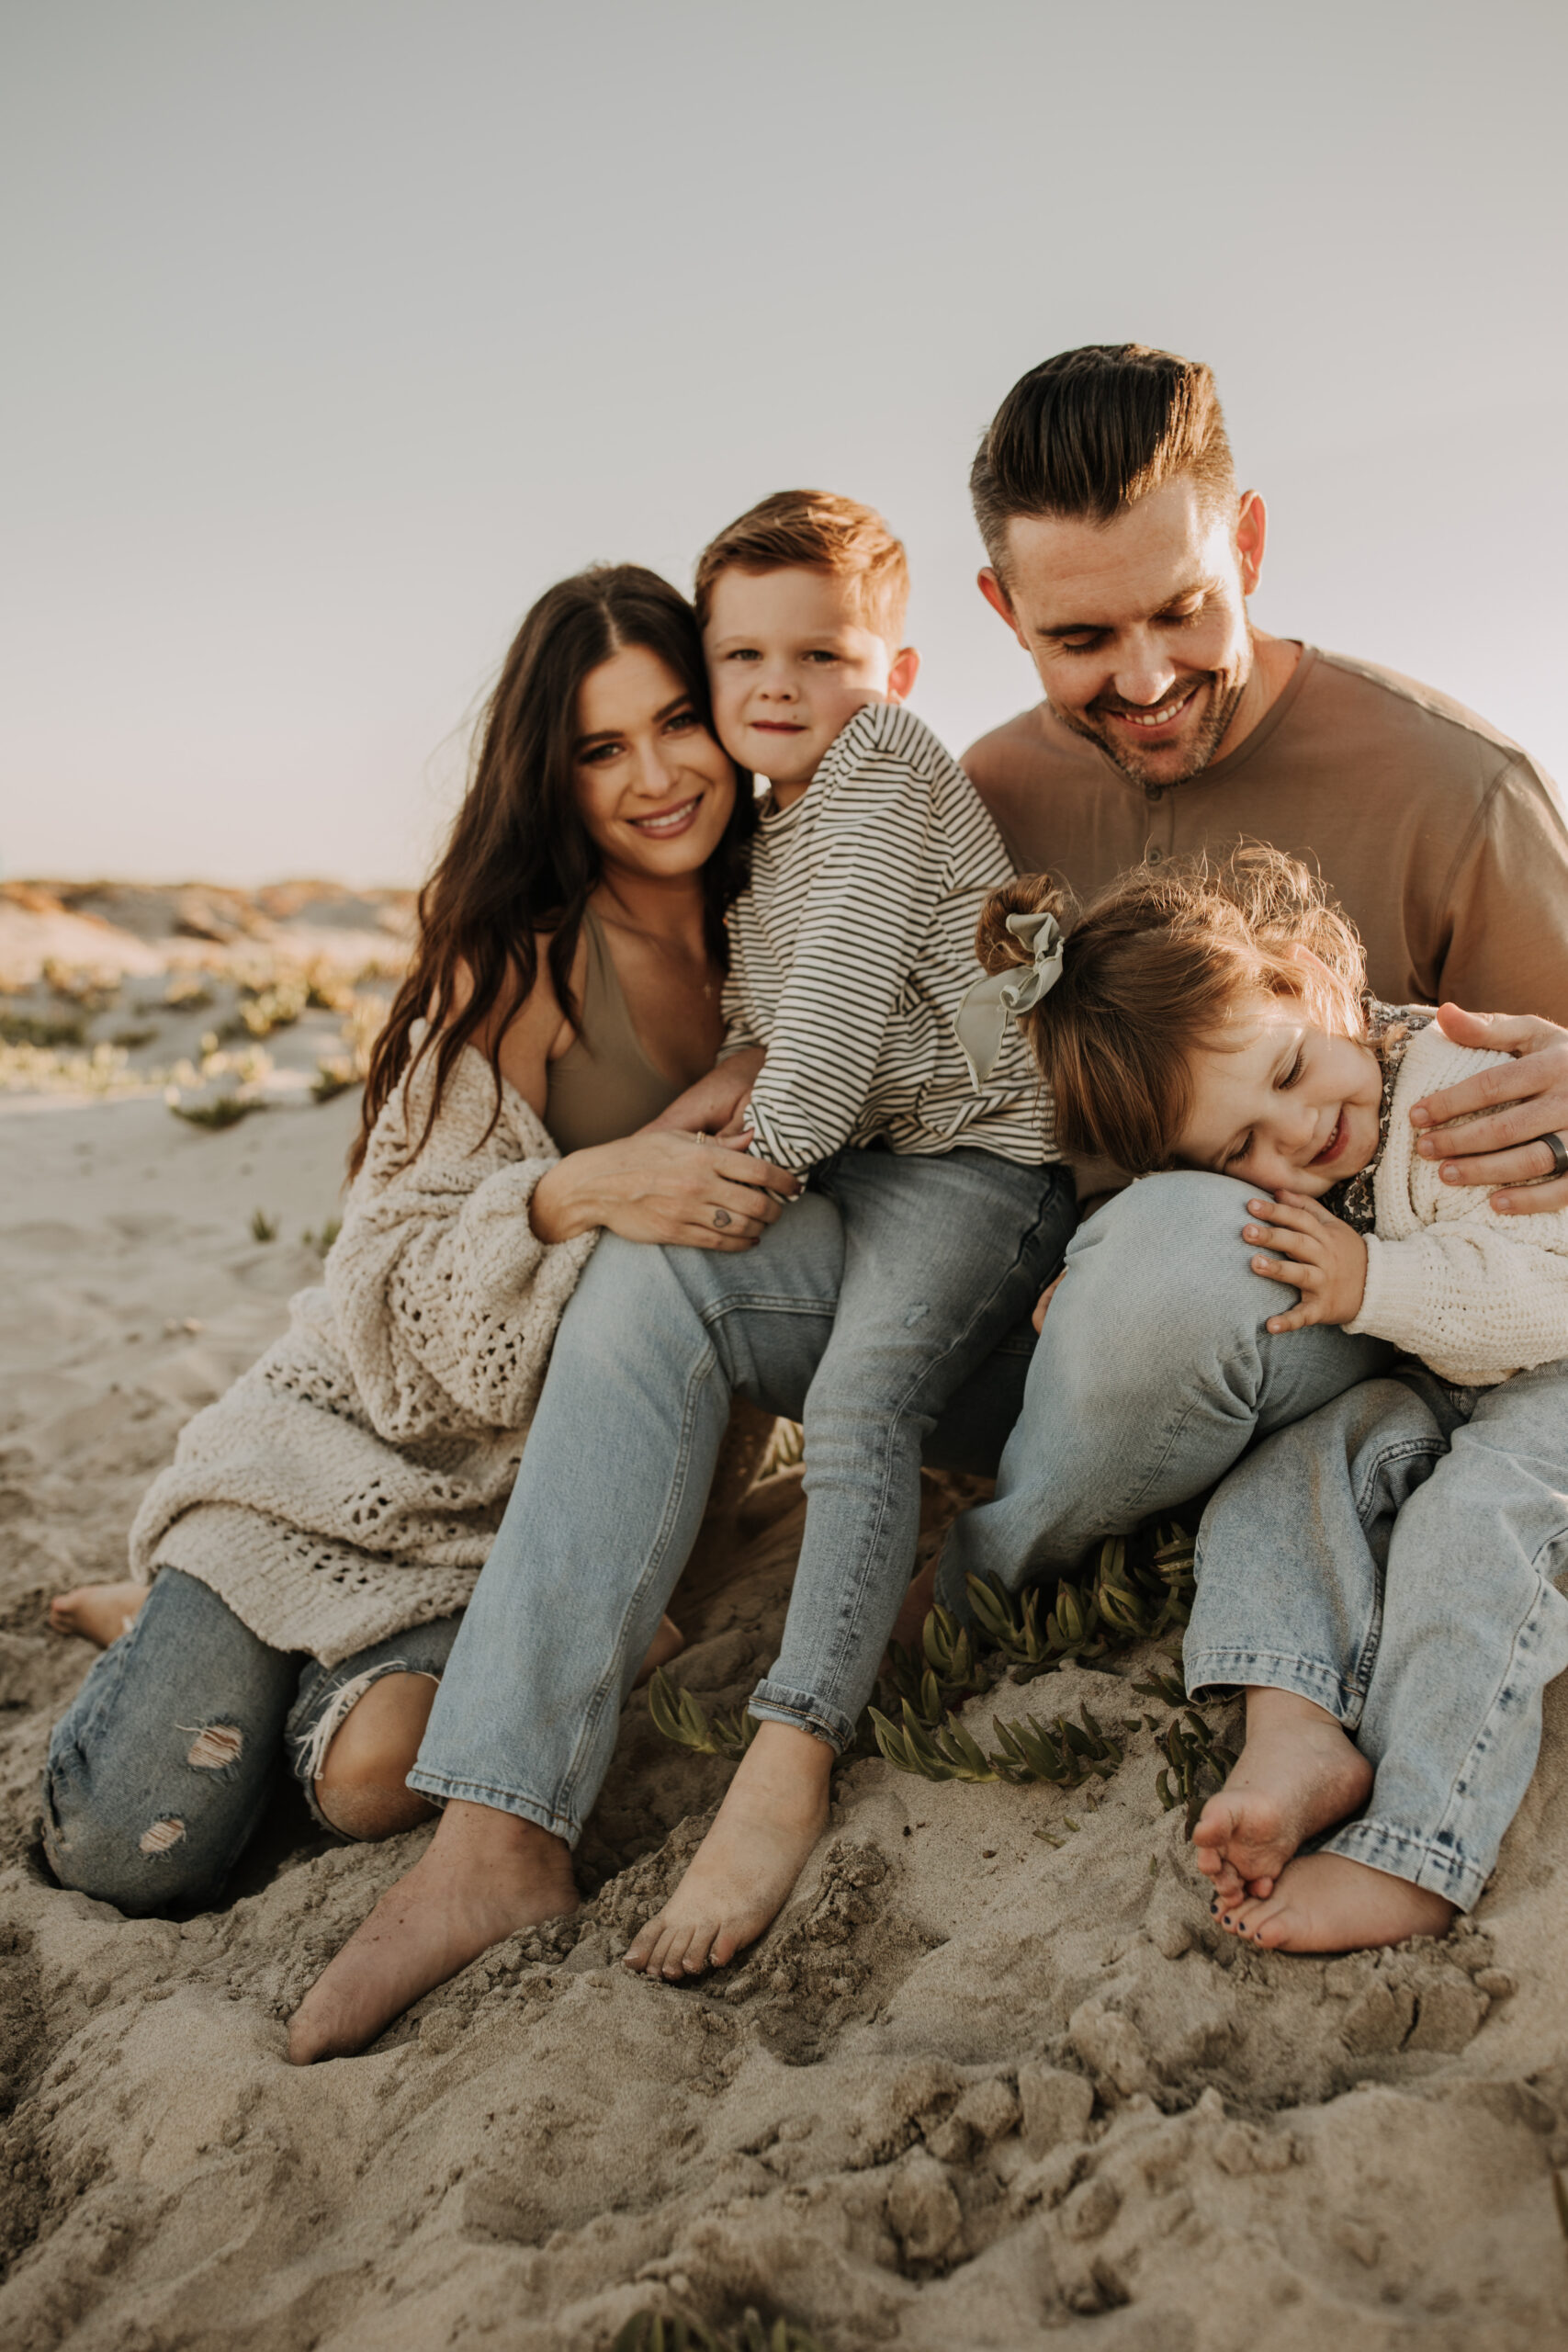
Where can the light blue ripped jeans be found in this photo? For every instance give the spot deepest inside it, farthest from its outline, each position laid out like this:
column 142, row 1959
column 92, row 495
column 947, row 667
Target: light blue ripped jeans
column 1392, row 1558
column 160, row 1769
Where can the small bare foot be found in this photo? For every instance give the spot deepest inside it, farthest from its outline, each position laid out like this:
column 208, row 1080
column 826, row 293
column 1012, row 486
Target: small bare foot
column 484, row 1875
column 99, row 1613
column 739, row 1877
column 1327, row 1903
column 1297, row 1775
column 919, row 1602
column 667, row 1643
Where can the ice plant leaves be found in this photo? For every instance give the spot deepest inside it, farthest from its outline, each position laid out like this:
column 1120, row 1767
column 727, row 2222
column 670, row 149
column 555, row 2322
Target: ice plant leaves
column 682, row 1719
column 668, row 2331
column 1063, row 1754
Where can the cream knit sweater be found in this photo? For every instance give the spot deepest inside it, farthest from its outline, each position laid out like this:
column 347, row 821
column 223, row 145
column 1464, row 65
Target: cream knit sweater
column 350, row 1484
column 1475, row 1294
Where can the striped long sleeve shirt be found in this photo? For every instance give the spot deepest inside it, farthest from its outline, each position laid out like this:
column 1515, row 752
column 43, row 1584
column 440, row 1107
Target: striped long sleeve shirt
column 852, row 947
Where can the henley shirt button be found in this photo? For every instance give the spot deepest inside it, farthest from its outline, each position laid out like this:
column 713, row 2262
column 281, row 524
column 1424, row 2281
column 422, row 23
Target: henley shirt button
column 1155, row 856
column 1154, row 791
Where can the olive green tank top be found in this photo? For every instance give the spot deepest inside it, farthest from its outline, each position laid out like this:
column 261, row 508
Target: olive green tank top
column 603, row 1086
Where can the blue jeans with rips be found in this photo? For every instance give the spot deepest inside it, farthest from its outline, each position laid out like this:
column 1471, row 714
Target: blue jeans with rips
column 861, row 1311
column 161, row 1768
column 1392, row 1558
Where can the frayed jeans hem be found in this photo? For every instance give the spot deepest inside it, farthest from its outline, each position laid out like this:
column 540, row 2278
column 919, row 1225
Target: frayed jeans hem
column 1270, row 1670
column 1436, row 1870
column 802, row 1714
column 442, row 1790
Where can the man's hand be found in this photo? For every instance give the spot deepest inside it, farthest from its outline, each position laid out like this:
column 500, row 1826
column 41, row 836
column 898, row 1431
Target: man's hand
column 1526, row 1099
column 1321, row 1256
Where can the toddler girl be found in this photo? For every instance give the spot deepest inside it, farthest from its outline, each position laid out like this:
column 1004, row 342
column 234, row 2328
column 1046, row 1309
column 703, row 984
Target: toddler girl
column 1377, row 1575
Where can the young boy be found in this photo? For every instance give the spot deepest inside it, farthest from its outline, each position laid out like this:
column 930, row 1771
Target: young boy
column 848, row 954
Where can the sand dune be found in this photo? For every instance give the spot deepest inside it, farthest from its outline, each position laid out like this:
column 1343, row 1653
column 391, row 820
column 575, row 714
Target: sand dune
column 980, row 2084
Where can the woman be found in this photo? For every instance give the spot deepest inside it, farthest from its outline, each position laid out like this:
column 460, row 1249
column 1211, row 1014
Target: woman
column 321, row 1526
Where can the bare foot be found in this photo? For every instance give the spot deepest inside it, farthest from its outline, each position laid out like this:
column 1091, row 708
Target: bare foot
column 99, row 1613
column 1298, row 1774
column 1327, row 1903
column 738, row 1880
column 667, row 1643
column 919, row 1602
column 485, row 1874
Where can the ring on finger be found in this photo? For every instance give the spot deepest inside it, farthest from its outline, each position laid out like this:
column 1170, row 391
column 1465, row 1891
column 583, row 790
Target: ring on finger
column 1559, row 1151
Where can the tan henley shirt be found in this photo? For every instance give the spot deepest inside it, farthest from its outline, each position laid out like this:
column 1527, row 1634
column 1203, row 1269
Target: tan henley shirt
column 1442, row 841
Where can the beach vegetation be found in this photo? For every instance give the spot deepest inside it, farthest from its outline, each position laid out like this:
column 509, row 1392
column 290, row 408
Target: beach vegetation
column 671, row 2332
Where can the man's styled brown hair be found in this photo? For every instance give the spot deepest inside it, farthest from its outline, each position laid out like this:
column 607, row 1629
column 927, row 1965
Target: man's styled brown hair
column 819, row 532
column 1152, row 969
column 1093, row 431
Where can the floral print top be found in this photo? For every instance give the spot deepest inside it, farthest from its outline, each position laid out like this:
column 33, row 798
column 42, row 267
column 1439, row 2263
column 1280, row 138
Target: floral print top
column 1390, row 1028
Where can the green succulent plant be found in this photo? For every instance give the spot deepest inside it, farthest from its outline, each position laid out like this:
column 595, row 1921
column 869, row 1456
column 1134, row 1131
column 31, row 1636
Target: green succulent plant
column 682, row 1718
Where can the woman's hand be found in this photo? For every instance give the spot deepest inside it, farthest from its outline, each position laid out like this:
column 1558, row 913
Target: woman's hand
column 1321, row 1256
column 1526, row 1098
column 662, row 1186
column 714, row 1102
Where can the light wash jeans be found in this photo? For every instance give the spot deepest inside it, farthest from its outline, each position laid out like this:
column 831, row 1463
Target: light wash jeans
column 1391, row 1558
column 161, row 1768
column 1153, row 1376
column 859, row 1311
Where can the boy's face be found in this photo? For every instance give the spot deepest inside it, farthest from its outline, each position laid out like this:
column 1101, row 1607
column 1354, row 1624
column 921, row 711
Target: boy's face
column 790, row 664
column 1282, row 1105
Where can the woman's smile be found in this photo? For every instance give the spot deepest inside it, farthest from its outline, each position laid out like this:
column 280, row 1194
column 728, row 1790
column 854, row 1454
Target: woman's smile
column 665, row 824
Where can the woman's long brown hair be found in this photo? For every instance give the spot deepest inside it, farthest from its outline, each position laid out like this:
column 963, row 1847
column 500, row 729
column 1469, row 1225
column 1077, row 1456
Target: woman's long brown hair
column 519, row 859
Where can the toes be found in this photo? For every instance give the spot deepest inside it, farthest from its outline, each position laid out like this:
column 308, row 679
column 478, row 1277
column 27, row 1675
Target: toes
column 668, row 1960
column 726, row 1944
column 698, row 1954
column 643, row 1948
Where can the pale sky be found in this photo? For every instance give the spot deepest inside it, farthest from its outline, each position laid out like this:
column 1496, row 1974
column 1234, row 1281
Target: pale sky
column 336, row 330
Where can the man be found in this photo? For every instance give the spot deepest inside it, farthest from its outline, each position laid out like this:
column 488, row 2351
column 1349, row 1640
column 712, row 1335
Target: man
column 1123, row 555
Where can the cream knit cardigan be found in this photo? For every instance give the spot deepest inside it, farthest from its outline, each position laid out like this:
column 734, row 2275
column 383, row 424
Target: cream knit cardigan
column 1475, row 1294
column 350, row 1484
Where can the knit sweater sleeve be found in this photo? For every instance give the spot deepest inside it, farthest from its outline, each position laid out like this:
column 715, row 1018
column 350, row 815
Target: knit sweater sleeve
column 1477, row 1295
column 874, row 881
column 445, row 1299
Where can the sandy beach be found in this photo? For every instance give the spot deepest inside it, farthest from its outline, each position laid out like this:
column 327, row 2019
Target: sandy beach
column 994, row 2074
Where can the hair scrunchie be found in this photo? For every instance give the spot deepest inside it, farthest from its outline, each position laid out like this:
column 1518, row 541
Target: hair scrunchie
column 984, row 1010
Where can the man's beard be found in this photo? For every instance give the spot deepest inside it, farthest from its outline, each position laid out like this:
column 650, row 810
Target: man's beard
column 1211, row 734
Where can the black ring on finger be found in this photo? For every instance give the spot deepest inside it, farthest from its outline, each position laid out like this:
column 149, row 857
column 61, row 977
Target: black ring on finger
column 1559, row 1151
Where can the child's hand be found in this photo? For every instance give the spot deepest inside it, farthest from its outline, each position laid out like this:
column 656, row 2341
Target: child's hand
column 735, row 1134
column 1324, row 1257
column 1042, row 1304
column 712, row 1104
